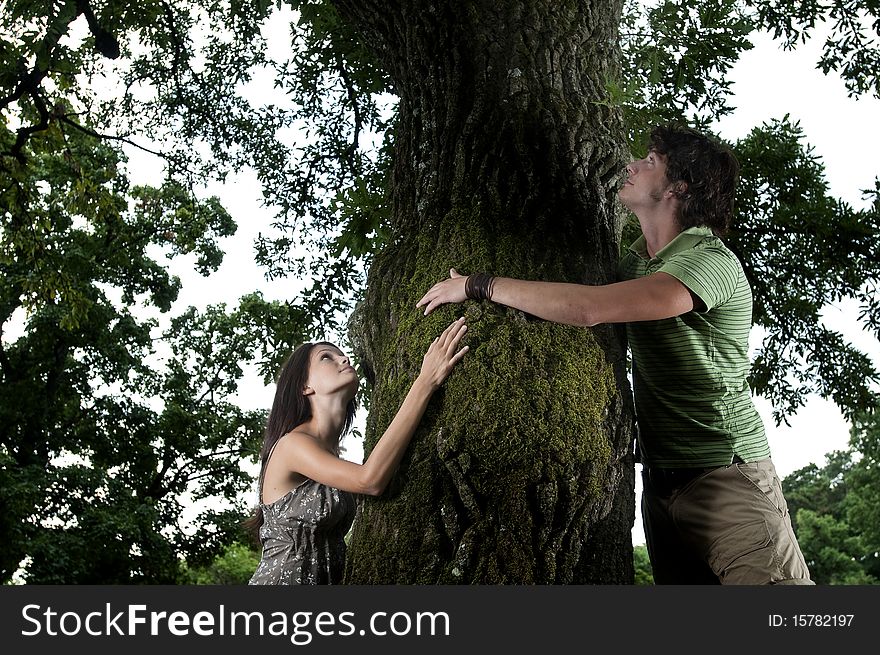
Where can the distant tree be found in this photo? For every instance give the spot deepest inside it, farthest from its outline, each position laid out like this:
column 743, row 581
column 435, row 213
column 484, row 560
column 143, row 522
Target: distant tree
column 234, row 566
column 819, row 489
column 834, row 510
column 862, row 503
column 832, row 551
column 642, row 564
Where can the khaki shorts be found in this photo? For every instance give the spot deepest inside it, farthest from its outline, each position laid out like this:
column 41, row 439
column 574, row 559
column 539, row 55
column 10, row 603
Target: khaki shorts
column 729, row 525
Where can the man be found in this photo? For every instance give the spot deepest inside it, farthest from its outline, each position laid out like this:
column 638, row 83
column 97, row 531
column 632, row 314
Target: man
column 712, row 503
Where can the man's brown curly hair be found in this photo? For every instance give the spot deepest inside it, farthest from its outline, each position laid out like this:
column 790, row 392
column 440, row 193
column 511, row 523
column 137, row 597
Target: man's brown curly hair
column 707, row 167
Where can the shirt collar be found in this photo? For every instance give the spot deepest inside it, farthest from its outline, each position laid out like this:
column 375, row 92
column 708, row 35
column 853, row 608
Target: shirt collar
column 685, row 240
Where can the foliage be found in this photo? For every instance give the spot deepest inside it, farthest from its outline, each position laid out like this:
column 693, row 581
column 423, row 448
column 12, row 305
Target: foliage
column 863, row 504
column 835, row 509
column 675, row 58
column 820, row 490
column 832, row 550
column 116, row 432
column 802, row 251
column 116, row 442
column 642, row 563
column 234, row 566
column 851, row 48
column 331, row 187
column 676, row 53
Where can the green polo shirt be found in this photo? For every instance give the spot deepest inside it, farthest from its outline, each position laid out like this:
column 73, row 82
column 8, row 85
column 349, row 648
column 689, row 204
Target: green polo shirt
column 693, row 402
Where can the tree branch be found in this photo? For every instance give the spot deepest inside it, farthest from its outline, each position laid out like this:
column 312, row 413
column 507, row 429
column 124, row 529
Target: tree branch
column 105, row 42
column 24, row 133
column 66, row 120
column 358, row 121
column 29, row 82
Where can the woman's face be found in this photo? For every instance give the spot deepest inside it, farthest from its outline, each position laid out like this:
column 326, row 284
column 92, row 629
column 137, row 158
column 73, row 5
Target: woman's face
column 330, row 371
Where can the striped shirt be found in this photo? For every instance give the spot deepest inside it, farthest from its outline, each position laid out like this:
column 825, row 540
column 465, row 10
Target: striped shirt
column 693, row 402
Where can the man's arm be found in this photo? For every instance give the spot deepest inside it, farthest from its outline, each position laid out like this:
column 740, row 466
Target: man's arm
column 653, row 297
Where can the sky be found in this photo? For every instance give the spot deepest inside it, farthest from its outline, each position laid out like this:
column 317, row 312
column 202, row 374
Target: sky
column 768, row 84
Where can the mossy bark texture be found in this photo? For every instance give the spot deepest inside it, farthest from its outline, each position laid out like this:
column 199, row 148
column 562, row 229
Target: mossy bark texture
column 506, row 162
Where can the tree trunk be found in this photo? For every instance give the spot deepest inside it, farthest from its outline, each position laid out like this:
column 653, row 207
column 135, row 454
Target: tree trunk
column 507, row 162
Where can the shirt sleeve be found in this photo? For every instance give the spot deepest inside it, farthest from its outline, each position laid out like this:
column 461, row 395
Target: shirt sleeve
column 710, row 272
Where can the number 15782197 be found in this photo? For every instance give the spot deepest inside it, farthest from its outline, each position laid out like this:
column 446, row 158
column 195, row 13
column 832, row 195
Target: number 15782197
column 810, row 620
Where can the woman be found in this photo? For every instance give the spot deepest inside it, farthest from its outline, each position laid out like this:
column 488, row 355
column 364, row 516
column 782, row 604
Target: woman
column 306, row 502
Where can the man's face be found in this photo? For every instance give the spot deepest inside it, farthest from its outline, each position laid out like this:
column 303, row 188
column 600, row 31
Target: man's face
column 646, row 182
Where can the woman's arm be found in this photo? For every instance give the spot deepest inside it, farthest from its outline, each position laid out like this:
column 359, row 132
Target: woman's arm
column 304, row 455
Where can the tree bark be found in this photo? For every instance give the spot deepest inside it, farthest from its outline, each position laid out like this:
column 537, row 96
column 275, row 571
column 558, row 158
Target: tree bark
column 506, row 161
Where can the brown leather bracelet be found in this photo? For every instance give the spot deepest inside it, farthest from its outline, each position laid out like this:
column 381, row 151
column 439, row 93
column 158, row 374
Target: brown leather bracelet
column 479, row 286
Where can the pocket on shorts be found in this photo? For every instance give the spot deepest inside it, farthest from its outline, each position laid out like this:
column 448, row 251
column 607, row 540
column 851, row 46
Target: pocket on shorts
column 765, row 483
column 745, row 555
